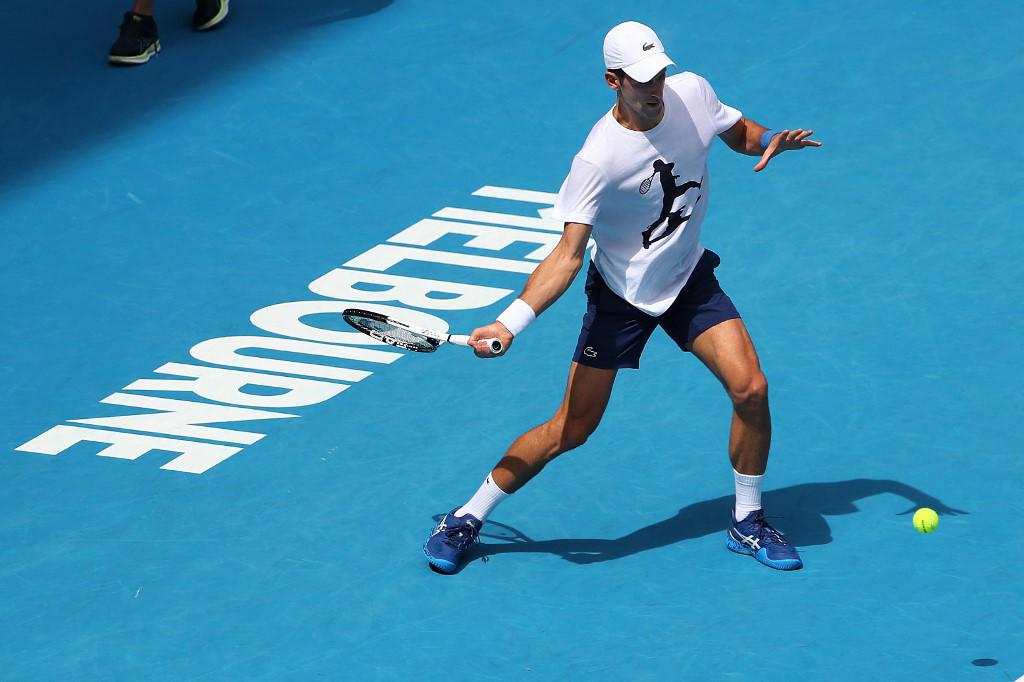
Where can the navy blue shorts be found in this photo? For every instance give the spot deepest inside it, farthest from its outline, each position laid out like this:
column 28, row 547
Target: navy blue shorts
column 615, row 332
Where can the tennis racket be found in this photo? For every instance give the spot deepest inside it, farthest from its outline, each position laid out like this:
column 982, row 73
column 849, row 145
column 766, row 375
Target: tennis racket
column 398, row 333
column 646, row 184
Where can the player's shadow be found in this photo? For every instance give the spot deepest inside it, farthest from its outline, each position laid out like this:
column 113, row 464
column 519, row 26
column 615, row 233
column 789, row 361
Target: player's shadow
column 799, row 510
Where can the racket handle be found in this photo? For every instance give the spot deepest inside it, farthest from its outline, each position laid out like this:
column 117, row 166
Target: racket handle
column 463, row 340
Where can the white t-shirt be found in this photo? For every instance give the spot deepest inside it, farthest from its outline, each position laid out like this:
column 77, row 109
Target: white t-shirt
column 646, row 193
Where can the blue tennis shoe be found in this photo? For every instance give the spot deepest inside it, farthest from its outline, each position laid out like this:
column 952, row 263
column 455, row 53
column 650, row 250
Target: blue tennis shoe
column 755, row 537
column 450, row 540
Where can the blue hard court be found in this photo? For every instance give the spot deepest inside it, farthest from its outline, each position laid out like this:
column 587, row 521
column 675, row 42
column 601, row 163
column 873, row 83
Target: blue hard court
column 156, row 214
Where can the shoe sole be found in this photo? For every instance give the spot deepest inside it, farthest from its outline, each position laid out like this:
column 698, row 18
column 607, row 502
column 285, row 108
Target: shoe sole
column 221, row 16
column 136, row 59
column 760, row 555
column 443, row 566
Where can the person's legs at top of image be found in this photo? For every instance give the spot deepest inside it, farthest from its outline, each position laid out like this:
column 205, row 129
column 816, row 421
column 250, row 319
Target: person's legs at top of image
column 139, row 39
column 209, row 14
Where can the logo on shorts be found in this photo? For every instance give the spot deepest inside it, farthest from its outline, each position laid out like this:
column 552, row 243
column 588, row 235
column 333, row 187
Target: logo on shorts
column 590, row 352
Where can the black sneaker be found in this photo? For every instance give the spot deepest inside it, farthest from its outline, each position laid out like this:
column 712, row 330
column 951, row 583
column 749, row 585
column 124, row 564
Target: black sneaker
column 138, row 41
column 209, row 13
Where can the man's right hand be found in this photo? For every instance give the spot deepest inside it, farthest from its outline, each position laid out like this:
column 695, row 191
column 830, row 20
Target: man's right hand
column 495, row 330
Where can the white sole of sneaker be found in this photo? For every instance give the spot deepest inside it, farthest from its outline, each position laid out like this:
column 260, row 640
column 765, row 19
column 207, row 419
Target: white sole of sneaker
column 783, row 565
column 139, row 58
column 221, row 16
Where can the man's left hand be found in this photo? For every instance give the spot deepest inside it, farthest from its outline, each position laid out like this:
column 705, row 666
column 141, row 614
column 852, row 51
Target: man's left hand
column 785, row 141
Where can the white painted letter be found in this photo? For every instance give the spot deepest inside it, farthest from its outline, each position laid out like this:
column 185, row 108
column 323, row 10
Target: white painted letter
column 412, row 291
column 195, row 457
column 384, row 256
column 179, row 418
column 548, row 224
column 225, row 386
column 515, row 194
column 224, row 351
column 485, row 236
column 286, row 319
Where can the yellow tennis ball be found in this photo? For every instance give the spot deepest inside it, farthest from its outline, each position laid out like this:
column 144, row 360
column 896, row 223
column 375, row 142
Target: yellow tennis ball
column 926, row 520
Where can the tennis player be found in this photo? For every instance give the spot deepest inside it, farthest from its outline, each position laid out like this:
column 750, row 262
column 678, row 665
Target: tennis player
column 639, row 187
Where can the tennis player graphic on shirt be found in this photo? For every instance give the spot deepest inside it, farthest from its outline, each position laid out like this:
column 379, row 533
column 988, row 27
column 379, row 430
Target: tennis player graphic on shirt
column 671, row 193
column 640, row 279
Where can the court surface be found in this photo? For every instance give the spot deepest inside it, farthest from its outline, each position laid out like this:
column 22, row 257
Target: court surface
column 155, row 216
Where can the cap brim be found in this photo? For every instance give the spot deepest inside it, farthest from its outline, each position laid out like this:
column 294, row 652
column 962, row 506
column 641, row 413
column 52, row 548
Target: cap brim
column 646, row 69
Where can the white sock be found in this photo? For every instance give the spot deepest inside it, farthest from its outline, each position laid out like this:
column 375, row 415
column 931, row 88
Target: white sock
column 484, row 501
column 748, row 494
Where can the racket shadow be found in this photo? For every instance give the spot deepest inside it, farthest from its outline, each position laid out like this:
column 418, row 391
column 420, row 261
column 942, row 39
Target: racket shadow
column 799, row 511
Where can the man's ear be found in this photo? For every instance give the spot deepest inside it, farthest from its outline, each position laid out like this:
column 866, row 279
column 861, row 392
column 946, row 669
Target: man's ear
column 612, row 80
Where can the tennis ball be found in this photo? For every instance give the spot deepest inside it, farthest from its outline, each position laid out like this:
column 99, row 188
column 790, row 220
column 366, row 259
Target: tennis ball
column 926, row 520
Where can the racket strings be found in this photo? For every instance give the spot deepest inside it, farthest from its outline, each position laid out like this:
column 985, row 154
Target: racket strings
column 389, row 333
column 646, row 184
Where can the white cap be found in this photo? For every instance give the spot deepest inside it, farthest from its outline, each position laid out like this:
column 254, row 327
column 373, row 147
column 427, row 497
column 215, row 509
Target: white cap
column 635, row 49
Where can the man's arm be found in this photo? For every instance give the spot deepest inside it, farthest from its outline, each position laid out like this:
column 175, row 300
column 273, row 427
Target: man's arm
column 557, row 271
column 746, row 135
column 552, row 277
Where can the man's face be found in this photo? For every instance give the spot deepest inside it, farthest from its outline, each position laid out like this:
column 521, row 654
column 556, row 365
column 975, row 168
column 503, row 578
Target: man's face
column 642, row 100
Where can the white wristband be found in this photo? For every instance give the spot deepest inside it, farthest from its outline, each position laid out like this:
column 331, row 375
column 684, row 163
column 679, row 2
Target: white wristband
column 517, row 316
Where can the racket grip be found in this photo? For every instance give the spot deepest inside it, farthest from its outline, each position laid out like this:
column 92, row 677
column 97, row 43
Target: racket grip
column 463, row 340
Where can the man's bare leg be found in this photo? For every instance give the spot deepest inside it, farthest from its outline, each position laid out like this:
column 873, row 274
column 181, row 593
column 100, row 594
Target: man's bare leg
column 586, row 397
column 729, row 353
